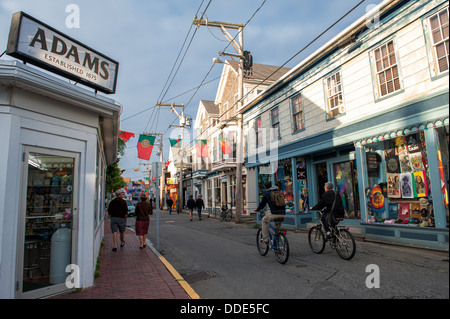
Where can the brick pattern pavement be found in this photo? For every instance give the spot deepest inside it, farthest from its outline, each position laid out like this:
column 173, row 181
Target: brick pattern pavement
column 130, row 273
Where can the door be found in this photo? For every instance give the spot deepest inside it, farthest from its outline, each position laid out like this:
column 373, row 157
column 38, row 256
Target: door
column 345, row 185
column 47, row 221
column 322, row 178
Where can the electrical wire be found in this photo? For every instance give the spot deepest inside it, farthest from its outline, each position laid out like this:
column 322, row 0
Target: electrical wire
column 283, row 65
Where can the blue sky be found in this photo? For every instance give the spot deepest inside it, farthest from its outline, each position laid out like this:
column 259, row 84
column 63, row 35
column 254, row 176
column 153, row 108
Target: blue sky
column 145, row 37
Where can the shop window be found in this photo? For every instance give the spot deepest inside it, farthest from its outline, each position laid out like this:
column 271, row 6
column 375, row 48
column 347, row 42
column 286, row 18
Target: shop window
column 303, row 201
column 400, row 185
column 209, row 191
column 386, row 66
column 439, row 30
column 283, row 180
column 335, row 102
column 297, row 113
column 275, row 121
column 48, row 220
column 217, row 185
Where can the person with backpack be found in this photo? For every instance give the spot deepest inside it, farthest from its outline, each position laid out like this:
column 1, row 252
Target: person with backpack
column 190, row 205
column 334, row 207
column 275, row 199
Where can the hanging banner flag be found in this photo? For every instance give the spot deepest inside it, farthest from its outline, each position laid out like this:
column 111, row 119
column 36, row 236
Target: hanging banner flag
column 175, row 142
column 226, row 147
column 125, row 136
column 145, row 146
column 201, row 147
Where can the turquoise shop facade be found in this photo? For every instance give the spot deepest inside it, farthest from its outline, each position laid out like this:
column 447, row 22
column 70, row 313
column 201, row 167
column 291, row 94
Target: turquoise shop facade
column 352, row 146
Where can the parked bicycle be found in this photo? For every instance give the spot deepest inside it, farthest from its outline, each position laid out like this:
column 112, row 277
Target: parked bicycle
column 226, row 213
column 278, row 242
column 340, row 239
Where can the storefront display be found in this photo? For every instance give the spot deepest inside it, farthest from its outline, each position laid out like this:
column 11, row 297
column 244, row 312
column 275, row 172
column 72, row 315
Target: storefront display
column 402, row 193
column 48, row 215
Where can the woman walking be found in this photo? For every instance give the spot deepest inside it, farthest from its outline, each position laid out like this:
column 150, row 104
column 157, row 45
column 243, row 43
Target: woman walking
column 143, row 212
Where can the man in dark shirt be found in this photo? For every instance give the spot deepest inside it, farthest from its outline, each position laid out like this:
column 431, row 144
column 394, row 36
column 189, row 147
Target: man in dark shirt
column 118, row 211
column 328, row 200
column 199, row 204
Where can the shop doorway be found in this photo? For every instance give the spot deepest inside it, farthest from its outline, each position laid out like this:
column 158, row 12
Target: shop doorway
column 322, row 178
column 345, row 180
column 47, row 221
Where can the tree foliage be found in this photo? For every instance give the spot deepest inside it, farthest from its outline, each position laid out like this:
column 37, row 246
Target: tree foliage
column 114, row 179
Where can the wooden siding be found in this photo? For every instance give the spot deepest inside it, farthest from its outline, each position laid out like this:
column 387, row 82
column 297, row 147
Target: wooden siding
column 358, row 78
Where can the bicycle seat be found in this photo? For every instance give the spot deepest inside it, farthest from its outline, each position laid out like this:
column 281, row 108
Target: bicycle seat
column 339, row 219
column 278, row 219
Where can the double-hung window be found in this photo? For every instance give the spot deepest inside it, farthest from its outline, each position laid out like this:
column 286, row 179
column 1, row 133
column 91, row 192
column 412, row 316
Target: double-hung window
column 297, row 113
column 388, row 79
column 438, row 24
column 335, row 102
column 275, row 119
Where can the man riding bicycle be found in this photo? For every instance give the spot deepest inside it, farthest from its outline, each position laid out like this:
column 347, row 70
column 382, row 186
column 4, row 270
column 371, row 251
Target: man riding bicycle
column 334, row 207
column 276, row 212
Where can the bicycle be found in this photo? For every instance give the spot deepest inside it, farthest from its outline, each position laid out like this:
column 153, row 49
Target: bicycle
column 341, row 239
column 226, row 213
column 278, row 241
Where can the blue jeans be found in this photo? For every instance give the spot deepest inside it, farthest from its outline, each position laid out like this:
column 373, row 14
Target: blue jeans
column 199, row 211
column 170, row 210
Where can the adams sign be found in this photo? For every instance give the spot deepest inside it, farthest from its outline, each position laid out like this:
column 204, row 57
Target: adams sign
column 35, row 42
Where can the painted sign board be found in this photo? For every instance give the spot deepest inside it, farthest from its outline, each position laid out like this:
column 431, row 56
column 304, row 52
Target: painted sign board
column 37, row 43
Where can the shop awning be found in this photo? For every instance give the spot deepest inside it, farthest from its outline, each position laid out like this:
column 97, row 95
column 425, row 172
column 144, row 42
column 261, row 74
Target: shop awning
column 403, row 132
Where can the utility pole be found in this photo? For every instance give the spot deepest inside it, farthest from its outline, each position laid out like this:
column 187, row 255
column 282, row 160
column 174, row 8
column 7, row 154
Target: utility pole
column 182, row 119
column 158, row 183
column 239, row 47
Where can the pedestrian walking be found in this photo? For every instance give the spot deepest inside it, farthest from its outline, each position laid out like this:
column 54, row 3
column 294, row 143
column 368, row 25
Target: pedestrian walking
column 118, row 212
column 143, row 211
column 169, row 203
column 200, row 204
column 190, row 205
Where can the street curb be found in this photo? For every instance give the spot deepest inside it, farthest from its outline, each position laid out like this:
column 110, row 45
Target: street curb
column 192, row 294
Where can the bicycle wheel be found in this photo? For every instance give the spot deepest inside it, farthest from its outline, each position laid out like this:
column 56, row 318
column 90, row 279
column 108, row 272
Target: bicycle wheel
column 228, row 215
column 262, row 248
column 316, row 239
column 345, row 244
column 282, row 249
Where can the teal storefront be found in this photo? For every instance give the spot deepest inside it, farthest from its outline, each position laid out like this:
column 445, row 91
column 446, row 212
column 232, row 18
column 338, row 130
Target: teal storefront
column 360, row 158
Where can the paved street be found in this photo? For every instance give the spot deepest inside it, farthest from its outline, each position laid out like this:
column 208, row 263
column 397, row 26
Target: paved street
column 220, row 260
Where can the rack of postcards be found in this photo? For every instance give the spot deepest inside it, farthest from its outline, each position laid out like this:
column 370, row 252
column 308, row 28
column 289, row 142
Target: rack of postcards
column 49, row 199
column 405, row 196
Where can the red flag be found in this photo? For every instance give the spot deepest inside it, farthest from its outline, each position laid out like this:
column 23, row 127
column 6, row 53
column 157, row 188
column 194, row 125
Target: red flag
column 201, row 147
column 125, row 136
column 145, row 146
column 226, row 147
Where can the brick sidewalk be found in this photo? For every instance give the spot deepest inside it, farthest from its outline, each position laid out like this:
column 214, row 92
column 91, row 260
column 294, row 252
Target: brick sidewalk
column 130, row 273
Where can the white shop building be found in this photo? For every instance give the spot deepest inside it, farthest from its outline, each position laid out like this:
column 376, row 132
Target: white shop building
column 57, row 139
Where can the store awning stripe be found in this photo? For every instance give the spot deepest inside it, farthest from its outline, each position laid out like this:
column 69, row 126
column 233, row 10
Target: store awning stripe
column 409, row 130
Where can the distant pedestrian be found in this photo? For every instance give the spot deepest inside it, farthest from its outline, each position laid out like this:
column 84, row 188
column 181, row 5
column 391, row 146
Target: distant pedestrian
column 143, row 211
column 118, row 211
column 169, row 203
column 190, row 205
column 199, row 203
